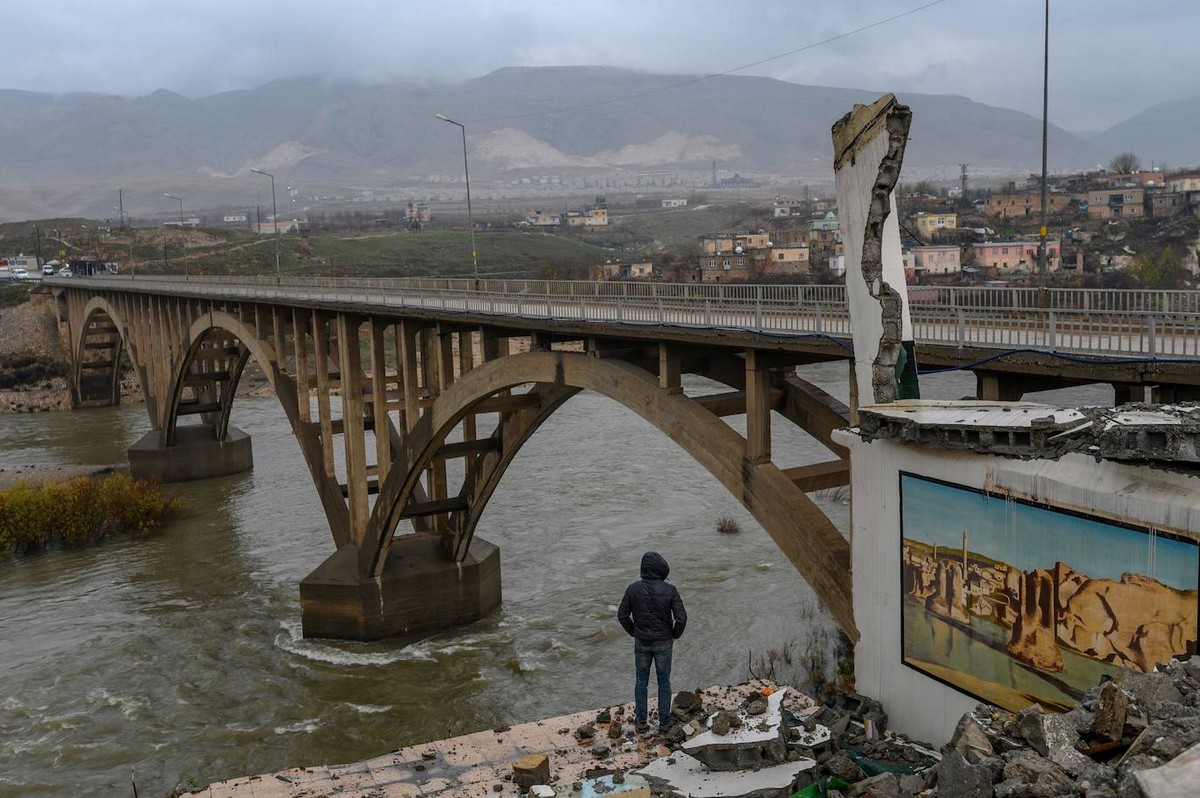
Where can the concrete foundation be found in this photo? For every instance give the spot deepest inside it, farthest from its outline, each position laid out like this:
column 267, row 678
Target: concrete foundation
column 195, row 455
column 420, row 591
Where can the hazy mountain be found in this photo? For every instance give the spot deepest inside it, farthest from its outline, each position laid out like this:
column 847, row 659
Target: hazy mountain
column 1165, row 133
column 311, row 130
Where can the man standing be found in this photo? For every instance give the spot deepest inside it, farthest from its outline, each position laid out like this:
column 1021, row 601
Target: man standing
column 652, row 613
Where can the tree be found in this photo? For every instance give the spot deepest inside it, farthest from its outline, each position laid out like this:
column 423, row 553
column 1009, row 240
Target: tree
column 1163, row 269
column 1125, row 163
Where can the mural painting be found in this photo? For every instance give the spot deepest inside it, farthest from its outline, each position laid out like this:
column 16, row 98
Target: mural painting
column 1016, row 603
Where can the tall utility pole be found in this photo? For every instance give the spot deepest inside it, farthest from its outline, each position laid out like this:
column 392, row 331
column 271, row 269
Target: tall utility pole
column 121, row 206
column 962, row 177
column 467, row 175
column 274, row 220
column 185, row 263
column 1042, row 269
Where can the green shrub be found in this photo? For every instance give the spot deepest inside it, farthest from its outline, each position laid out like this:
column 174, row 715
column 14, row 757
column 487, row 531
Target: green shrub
column 80, row 512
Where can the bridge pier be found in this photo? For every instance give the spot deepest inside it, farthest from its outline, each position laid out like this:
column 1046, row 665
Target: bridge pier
column 195, row 454
column 421, row 590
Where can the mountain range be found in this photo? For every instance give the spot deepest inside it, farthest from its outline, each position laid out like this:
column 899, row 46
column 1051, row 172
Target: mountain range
column 56, row 149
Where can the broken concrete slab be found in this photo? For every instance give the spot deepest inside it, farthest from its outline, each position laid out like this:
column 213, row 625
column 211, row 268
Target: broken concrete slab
column 1179, row 778
column 683, row 775
column 759, row 740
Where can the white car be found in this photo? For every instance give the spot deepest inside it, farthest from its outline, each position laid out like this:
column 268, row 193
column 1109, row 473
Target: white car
column 47, row 270
column 19, row 273
column 65, row 272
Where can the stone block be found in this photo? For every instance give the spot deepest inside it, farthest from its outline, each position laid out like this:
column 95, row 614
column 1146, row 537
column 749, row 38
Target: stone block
column 883, row 785
column 970, row 740
column 1111, row 709
column 531, row 770
column 958, row 778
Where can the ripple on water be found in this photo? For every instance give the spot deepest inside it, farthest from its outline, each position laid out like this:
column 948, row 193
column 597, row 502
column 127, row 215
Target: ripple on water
column 362, row 654
column 299, row 727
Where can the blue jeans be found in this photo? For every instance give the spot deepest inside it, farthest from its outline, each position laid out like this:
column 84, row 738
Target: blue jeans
column 660, row 655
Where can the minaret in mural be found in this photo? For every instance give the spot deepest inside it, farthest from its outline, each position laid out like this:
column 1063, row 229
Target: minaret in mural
column 966, row 578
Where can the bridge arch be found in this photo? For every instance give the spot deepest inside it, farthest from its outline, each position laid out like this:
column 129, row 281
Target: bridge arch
column 797, row 525
column 212, row 368
column 99, row 342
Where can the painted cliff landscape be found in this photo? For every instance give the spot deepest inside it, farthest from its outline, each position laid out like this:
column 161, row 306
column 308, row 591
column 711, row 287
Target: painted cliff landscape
column 1017, row 603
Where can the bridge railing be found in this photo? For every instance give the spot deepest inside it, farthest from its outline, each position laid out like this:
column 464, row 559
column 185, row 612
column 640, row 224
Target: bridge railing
column 1154, row 324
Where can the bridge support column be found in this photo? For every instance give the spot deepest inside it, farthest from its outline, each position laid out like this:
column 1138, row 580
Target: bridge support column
column 421, row 591
column 993, row 386
column 196, row 454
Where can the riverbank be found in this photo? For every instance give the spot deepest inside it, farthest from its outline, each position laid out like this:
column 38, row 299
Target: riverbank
column 593, row 752
column 11, row 476
column 1135, row 735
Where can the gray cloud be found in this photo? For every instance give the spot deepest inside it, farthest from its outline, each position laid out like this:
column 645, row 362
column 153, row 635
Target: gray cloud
column 1109, row 59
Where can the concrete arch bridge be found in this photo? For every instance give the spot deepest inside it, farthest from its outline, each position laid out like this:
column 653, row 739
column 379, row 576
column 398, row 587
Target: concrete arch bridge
column 387, row 399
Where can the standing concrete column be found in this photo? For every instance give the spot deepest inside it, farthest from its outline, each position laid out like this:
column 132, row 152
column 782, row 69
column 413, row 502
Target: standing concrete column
column 868, row 145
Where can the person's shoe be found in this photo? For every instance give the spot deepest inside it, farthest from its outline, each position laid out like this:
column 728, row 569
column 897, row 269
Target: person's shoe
column 665, row 730
column 643, row 727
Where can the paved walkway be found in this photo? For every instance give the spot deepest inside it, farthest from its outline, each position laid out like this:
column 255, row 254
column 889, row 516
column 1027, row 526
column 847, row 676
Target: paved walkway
column 479, row 764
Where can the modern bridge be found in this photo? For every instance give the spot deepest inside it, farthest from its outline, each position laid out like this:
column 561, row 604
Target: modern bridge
column 409, row 398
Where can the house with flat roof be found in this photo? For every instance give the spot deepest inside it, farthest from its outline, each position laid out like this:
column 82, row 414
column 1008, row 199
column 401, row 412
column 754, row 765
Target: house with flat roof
column 1005, row 256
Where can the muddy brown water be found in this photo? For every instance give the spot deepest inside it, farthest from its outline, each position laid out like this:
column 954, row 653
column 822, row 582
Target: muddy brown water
column 179, row 659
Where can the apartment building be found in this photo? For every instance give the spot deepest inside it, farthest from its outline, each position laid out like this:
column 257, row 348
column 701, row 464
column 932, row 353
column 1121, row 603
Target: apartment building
column 937, row 259
column 1117, row 203
column 1004, row 256
column 1020, row 205
column 930, row 225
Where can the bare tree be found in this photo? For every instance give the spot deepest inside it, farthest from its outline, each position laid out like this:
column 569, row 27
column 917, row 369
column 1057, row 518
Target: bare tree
column 1125, row 163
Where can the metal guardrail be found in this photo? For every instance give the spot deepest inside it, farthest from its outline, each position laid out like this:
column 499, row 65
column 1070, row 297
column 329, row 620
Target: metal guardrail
column 1126, row 324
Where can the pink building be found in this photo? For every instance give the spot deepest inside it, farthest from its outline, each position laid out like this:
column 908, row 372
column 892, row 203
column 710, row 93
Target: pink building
column 1003, row 256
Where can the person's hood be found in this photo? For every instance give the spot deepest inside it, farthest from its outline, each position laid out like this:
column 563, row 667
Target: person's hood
column 654, row 566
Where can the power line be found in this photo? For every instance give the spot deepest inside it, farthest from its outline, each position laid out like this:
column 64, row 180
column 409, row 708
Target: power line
column 690, row 81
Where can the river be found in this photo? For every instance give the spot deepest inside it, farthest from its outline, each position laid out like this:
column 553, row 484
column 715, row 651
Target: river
column 177, row 661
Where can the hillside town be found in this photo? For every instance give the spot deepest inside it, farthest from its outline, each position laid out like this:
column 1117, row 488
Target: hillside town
column 1104, row 229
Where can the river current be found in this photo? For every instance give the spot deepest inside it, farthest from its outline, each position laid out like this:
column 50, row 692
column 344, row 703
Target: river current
column 177, row 661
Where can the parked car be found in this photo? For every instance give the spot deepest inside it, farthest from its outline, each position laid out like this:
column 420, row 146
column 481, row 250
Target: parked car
column 47, row 270
column 65, row 271
column 20, row 273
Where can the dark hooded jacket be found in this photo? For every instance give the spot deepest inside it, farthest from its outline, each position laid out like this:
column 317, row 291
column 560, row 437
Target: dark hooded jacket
column 651, row 610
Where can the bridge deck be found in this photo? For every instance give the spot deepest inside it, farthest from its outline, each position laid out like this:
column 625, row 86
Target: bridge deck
column 1129, row 336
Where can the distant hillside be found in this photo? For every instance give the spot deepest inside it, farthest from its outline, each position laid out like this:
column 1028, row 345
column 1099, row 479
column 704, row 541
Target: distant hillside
column 1165, row 133
column 311, row 130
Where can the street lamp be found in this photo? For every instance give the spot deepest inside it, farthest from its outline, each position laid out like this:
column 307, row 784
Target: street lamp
column 180, row 201
column 274, row 219
column 467, row 175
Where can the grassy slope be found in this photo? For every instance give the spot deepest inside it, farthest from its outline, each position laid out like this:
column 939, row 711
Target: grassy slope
column 390, row 254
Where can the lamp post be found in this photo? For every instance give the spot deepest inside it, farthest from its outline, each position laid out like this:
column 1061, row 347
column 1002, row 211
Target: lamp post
column 467, row 175
column 274, row 219
column 180, row 201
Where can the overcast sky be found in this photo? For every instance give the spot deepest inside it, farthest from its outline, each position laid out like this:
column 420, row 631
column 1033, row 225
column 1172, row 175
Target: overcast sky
column 1109, row 58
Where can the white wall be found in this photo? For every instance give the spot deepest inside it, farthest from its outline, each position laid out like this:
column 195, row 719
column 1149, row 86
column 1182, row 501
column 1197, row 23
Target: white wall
column 916, row 704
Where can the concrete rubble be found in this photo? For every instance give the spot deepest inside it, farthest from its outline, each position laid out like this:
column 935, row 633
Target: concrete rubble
column 1135, row 736
column 1132, row 432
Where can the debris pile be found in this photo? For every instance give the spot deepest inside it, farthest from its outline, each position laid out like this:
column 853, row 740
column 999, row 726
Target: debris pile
column 1134, row 736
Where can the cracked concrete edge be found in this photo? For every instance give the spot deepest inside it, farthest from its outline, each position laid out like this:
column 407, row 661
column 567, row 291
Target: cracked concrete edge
column 851, row 134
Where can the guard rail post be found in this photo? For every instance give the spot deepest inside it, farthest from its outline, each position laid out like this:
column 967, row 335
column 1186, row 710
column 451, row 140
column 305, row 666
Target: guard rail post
column 960, row 327
column 1150, row 330
column 1051, row 331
